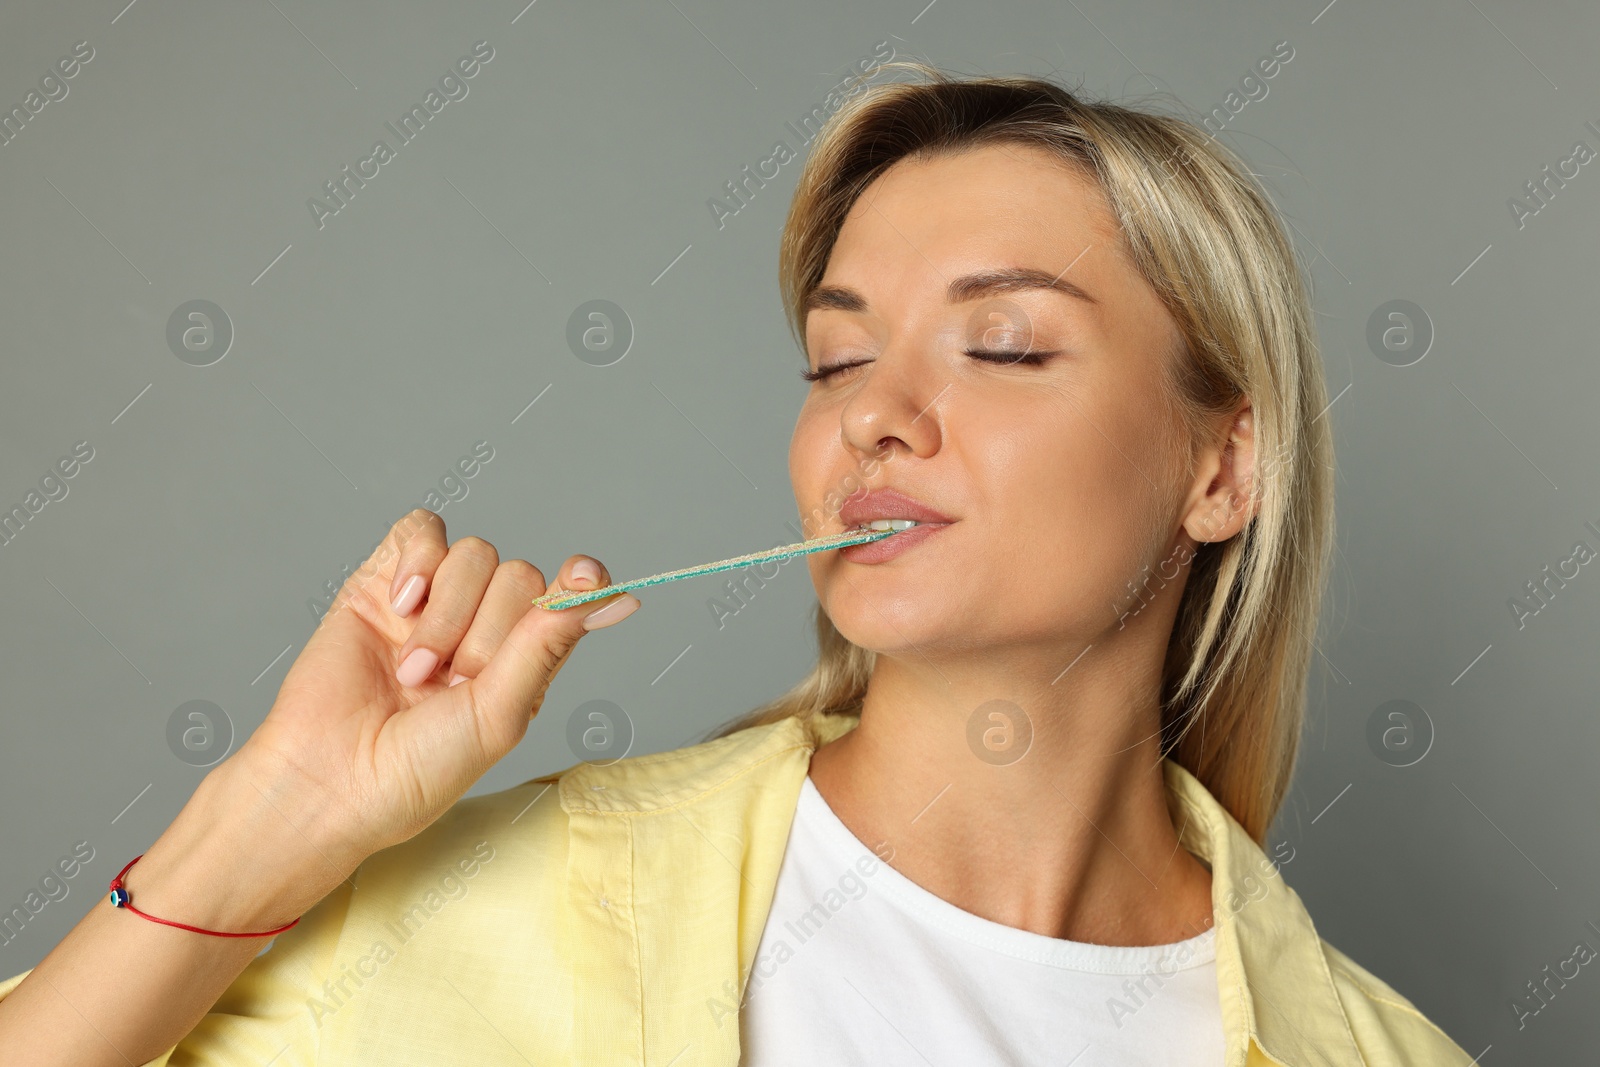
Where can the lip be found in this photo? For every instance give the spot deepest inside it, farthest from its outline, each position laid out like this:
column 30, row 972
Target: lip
column 888, row 548
column 886, row 504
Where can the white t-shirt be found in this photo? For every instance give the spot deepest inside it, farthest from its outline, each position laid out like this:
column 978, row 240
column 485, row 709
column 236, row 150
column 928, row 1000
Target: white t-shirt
column 860, row 965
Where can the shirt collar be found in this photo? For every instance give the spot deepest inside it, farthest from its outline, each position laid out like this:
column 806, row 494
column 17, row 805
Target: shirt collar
column 1276, row 989
column 1274, row 979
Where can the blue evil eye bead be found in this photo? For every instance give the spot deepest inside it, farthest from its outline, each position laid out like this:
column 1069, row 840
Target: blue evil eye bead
column 119, row 897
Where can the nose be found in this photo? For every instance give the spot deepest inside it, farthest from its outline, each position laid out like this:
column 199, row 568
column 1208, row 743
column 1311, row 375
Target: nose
column 899, row 406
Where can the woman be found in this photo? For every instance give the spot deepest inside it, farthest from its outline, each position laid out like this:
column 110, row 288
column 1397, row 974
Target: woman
column 1017, row 811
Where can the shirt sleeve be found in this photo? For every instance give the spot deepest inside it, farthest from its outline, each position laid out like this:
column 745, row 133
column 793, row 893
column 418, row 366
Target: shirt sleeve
column 267, row 1014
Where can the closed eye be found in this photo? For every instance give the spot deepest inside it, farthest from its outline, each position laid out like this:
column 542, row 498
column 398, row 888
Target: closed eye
column 828, row 372
column 1007, row 358
column 1037, row 358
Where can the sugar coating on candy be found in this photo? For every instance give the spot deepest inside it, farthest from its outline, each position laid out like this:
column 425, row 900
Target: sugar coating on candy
column 566, row 598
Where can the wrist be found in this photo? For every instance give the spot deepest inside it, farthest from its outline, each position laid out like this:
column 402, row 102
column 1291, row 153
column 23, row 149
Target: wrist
column 248, row 852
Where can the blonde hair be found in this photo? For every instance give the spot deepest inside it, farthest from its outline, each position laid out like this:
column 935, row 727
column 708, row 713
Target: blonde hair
column 1210, row 243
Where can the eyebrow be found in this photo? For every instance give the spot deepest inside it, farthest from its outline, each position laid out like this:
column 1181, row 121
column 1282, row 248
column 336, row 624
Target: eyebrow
column 967, row 287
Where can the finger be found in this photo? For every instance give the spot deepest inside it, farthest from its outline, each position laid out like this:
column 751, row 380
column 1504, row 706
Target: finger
column 454, row 593
column 512, row 686
column 422, row 549
column 371, row 588
column 581, row 574
column 509, row 596
column 511, row 592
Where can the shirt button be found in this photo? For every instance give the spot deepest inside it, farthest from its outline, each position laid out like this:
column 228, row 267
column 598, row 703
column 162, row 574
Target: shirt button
column 604, row 903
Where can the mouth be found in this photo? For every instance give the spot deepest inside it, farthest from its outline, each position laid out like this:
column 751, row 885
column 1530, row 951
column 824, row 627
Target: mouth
column 888, row 509
column 911, row 522
column 907, row 535
column 879, row 525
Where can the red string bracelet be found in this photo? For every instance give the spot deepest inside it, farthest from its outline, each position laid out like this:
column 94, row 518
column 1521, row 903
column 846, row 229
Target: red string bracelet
column 121, row 898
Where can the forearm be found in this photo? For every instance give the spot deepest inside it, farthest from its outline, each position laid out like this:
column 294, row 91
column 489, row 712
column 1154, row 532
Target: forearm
column 119, row 989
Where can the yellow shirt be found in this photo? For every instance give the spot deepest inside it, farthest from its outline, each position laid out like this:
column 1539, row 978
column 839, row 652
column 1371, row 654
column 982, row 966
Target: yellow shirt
column 608, row 914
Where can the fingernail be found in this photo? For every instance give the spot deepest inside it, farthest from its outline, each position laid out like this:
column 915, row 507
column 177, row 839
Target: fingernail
column 613, row 612
column 457, row 679
column 410, row 596
column 586, row 570
column 417, row 667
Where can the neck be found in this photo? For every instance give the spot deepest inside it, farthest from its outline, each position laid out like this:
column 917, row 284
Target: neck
column 1065, row 834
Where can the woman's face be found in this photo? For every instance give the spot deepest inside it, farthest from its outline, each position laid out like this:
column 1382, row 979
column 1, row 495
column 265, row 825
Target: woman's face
column 1062, row 473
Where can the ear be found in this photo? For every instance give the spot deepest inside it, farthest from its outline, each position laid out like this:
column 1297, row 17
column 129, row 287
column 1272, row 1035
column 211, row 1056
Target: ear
column 1225, row 481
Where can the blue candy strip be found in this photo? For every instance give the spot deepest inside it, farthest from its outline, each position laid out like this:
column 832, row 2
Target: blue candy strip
column 559, row 599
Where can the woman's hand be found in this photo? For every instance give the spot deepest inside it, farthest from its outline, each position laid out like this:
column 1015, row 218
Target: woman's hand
column 351, row 759
column 368, row 732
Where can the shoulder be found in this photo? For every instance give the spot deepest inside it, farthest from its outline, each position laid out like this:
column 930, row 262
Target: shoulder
column 1388, row 1028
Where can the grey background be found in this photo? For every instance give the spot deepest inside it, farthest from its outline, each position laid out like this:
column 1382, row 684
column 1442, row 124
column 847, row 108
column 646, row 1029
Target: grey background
column 431, row 311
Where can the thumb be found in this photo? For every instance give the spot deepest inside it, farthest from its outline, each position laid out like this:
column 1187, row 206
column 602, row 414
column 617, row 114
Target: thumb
column 509, row 691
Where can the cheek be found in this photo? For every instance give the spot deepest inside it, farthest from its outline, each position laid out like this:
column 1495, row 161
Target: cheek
column 1072, row 497
column 812, row 452
column 1062, row 490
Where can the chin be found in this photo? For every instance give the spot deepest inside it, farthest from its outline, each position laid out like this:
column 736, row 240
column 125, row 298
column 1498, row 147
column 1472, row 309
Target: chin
column 893, row 626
